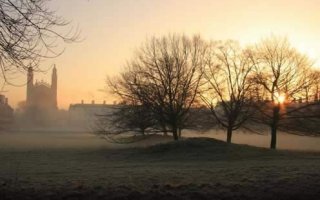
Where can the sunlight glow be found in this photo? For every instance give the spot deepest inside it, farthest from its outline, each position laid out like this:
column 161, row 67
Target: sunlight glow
column 280, row 98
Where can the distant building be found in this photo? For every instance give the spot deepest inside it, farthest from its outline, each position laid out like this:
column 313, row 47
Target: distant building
column 6, row 112
column 85, row 115
column 41, row 95
column 41, row 106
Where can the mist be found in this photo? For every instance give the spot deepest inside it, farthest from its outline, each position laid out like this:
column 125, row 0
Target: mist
column 48, row 139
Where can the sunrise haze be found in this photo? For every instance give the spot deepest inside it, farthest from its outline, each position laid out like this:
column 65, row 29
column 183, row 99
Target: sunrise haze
column 112, row 29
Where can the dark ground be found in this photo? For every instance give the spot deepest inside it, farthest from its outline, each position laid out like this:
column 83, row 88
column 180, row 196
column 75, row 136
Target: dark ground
column 199, row 168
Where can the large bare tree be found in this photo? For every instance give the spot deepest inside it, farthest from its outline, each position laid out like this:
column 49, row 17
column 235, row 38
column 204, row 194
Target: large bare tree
column 165, row 76
column 283, row 75
column 227, row 88
column 29, row 31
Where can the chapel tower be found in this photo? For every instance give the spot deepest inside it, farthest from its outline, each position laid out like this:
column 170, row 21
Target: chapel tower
column 54, row 85
column 29, row 84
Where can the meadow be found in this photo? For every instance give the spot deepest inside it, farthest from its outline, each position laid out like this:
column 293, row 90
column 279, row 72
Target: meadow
column 83, row 166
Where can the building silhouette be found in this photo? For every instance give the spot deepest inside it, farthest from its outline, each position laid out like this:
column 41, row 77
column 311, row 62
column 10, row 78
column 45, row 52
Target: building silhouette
column 41, row 95
column 84, row 115
column 41, row 106
column 6, row 112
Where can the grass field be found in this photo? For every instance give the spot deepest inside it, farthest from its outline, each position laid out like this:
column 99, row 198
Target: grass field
column 84, row 167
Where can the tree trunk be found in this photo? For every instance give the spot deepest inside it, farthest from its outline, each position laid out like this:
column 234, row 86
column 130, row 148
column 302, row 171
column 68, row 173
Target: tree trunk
column 273, row 137
column 165, row 133
column 179, row 132
column 175, row 134
column 164, row 128
column 229, row 134
column 274, row 126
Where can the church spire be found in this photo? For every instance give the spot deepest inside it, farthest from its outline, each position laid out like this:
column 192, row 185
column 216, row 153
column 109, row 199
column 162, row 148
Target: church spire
column 29, row 84
column 54, row 84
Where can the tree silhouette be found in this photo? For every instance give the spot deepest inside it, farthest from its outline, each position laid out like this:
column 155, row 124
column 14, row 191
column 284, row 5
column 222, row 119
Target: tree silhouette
column 282, row 76
column 165, row 76
column 228, row 85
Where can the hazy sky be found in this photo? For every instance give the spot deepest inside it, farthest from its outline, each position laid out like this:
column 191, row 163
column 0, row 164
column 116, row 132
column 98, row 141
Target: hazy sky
column 112, row 29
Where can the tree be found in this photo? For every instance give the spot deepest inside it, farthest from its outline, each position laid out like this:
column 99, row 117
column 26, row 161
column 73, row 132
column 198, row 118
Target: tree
column 228, row 85
column 165, row 76
column 282, row 76
column 125, row 118
column 29, row 31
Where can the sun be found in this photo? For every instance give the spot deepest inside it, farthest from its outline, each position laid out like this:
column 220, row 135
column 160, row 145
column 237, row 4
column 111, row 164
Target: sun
column 280, row 98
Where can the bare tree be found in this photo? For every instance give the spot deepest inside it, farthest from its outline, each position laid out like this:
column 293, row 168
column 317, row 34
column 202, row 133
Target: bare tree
column 283, row 75
column 164, row 75
column 29, row 31
column 125, row 118
column 228, row 85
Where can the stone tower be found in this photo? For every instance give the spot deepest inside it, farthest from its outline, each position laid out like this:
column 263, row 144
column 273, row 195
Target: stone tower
column 29, row 84
column 41, row 95
column 54, row 84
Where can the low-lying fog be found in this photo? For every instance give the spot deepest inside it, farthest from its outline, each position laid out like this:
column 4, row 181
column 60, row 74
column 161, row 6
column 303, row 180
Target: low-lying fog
column 49, row 140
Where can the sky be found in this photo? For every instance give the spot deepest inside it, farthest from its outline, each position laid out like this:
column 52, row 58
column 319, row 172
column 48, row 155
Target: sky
column 111, row 30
